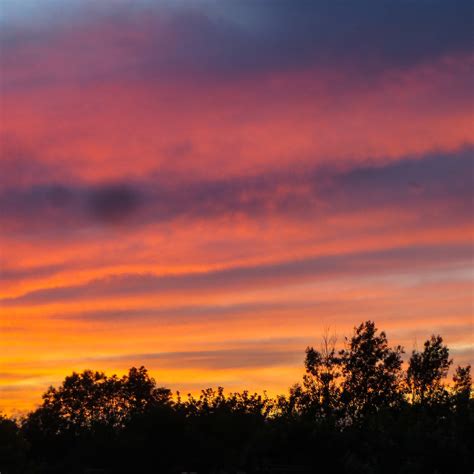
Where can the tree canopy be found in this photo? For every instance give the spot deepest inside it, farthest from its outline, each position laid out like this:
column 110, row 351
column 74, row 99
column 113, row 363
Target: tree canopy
column 357, row 410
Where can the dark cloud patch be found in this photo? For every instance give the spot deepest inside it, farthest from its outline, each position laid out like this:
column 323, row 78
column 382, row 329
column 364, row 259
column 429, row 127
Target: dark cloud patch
column 232, row 39
column 113, row 203
column 393, row 260
column 416, row 182
column 367, row 37
column 410, row 181
column 389, row 32
column 438, row 169
column 66, row 206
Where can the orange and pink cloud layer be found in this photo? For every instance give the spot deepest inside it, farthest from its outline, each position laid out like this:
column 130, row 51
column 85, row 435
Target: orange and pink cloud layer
column 203, row 188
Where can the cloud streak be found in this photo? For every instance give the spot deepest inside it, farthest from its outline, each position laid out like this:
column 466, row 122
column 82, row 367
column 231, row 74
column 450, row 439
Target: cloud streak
column 368, row 263
column 227, row 39
column 427, row 180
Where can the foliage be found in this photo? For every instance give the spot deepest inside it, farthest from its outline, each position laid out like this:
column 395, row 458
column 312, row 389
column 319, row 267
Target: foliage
column 426, row 372
column 462, row 382
column 351, row 414
column 322, row 394
column 13, row 446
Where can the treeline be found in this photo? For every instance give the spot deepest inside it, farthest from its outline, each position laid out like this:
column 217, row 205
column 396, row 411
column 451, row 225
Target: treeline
column 356, row 411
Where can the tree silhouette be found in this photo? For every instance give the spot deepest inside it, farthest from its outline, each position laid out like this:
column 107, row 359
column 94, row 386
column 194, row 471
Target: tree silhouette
column 462, row 383
column 372, row 371
column 13, row 447
column 323, row 370
column 90, row 399
column 426, row 371
column 351, row 414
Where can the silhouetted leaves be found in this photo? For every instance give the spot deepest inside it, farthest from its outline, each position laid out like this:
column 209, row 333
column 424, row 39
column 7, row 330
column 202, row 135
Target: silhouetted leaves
column 13, row 447
column 355, row 412
column 372, row 371
column 322, row 392
column 426, row 371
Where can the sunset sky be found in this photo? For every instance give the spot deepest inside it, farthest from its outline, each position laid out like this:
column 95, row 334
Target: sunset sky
column 203, row 187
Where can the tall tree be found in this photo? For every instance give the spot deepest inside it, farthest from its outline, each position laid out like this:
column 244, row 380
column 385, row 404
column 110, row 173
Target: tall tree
column 321, row 383
column 426, row 371
column 462, row 386
column 372, row 371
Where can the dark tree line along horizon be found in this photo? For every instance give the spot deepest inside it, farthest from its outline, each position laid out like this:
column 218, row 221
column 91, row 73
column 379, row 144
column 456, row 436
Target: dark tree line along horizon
column 356, row 411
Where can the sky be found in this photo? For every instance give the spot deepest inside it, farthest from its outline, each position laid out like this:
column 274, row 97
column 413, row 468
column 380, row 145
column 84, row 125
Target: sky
column 205, row 187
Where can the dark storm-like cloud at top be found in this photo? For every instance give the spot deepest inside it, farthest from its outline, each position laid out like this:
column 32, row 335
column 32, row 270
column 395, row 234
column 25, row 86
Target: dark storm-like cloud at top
column 234, row 39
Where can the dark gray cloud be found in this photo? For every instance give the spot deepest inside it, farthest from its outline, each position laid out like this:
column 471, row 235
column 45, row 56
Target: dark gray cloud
column 113, row 203
column 392, row 32
column 249, row 37
column 411, row 181
column 421, row 182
